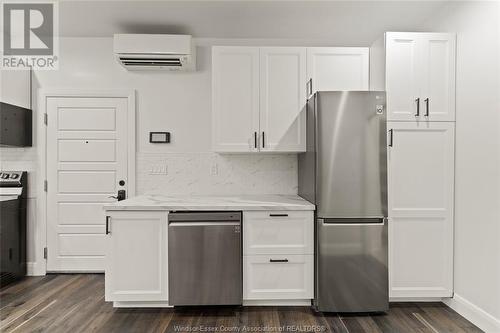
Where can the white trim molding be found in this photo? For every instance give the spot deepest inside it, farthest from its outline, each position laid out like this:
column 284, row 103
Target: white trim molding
column 474, row 314
column 39, row 266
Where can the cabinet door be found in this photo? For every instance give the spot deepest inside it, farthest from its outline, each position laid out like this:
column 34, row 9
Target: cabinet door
column 338, row 68
column 421, row 175
column 235, row 99
column 403, row 76
column 278, row 277
column 136, row 257
column 438, row 70
column 282, row 99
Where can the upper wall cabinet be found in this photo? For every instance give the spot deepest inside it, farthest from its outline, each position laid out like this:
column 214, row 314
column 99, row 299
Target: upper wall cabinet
column 338, row 68
column 15, row 87
column 259, row 93
column 235, row 99
column 418, row 72
column 282, row 98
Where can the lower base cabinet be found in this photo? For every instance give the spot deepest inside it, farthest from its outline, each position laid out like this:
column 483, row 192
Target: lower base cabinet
column 136, row 256
column 278, row 277
column 421, row 179
column 278, row 260
column 278, row 256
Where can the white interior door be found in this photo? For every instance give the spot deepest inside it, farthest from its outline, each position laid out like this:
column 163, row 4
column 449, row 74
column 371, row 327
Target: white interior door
column 235, row 98
column 338, row 68
column 403, row 76
column 86, row 161
column 421, row 178
column 438, row 85
column 282, row 99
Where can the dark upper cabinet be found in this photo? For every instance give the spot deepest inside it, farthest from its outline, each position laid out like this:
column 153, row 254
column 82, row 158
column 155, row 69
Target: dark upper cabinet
column 15, row 126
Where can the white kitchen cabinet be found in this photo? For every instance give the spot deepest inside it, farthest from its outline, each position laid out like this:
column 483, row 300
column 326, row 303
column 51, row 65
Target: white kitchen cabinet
column 15, row 87
column 421, row 187
column 337, row 68
column 136, row 256
column 287, row 232
column 278, row 277
column 418, row 72
column 278, row 256
column 282, row 99
column 235, row 99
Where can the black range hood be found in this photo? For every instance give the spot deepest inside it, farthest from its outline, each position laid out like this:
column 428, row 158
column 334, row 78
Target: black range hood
column 15, row 126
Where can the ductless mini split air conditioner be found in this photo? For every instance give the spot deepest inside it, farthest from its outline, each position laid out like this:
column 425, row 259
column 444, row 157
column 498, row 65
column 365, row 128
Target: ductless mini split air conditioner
column 151, row 52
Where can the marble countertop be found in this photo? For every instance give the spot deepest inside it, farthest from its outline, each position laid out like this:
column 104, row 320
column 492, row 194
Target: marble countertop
column 236, row 202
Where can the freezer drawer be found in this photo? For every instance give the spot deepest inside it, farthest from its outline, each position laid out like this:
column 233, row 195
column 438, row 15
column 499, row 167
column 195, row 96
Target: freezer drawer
column 205, row 258
column 351, row 264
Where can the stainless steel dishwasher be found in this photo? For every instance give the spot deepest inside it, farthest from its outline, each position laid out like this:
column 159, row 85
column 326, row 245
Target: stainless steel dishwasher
column 204, row 258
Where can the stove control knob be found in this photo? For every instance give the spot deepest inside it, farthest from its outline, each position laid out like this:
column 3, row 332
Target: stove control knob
column 14, row 176
column 5, row 176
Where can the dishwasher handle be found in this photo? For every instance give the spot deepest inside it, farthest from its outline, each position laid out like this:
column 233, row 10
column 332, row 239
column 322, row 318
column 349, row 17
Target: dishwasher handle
column 202, row 224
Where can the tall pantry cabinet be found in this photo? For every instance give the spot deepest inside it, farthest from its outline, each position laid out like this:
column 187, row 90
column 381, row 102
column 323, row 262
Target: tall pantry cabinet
column 418, row 72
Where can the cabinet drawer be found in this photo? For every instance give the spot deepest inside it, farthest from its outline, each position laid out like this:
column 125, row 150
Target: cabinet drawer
column 274, row 277
column 278, row 232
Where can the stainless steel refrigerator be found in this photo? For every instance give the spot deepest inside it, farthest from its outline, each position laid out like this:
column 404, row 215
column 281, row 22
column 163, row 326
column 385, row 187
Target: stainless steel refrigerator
column 344, row 173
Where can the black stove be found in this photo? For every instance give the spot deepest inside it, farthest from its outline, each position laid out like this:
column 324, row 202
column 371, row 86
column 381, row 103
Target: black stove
column 13, row 205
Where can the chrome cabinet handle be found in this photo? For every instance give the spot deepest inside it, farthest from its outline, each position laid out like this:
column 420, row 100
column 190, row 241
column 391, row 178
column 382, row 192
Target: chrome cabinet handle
column 275, row 215
column 309, row 87
column 418, row 106
column 255, row 140
column 426, row 107
column 278, row 260
column 391, row 136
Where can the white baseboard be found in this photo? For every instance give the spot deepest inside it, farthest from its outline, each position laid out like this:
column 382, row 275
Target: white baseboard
column 136, row 304
column 474, row 314
column 34, row 269
column 416, row 299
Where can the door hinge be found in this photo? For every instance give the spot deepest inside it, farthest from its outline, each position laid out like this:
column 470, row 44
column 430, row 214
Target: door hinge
column 45, row 119
column 45, row 253
column 45, row 185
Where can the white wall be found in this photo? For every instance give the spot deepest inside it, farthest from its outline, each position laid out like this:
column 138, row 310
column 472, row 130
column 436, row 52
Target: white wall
column 477, row 180
column 178, row 102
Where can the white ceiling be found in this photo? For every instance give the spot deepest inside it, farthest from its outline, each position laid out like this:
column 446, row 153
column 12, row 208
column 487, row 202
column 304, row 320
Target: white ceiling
column 341, row 22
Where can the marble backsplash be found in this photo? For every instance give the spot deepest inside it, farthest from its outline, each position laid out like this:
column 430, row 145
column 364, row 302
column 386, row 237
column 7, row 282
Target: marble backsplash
column 218, row 174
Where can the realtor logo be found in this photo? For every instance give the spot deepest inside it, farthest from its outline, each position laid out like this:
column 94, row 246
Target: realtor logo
column 29, row 35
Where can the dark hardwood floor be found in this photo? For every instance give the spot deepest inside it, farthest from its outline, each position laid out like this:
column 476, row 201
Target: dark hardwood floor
column 75, row 303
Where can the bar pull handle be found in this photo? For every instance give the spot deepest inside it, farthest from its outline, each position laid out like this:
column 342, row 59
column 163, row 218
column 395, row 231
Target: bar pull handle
column 426, row 107
column 275, row 215
column 107, row 225
column 263, row 139
column 309, row 88
column 418, row 107
column 278, row 260
column 391, row 137
column 255, row 140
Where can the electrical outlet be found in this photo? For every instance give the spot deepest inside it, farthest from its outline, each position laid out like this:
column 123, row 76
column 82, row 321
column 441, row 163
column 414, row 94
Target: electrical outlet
column 158, row 169
column 214, row 170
